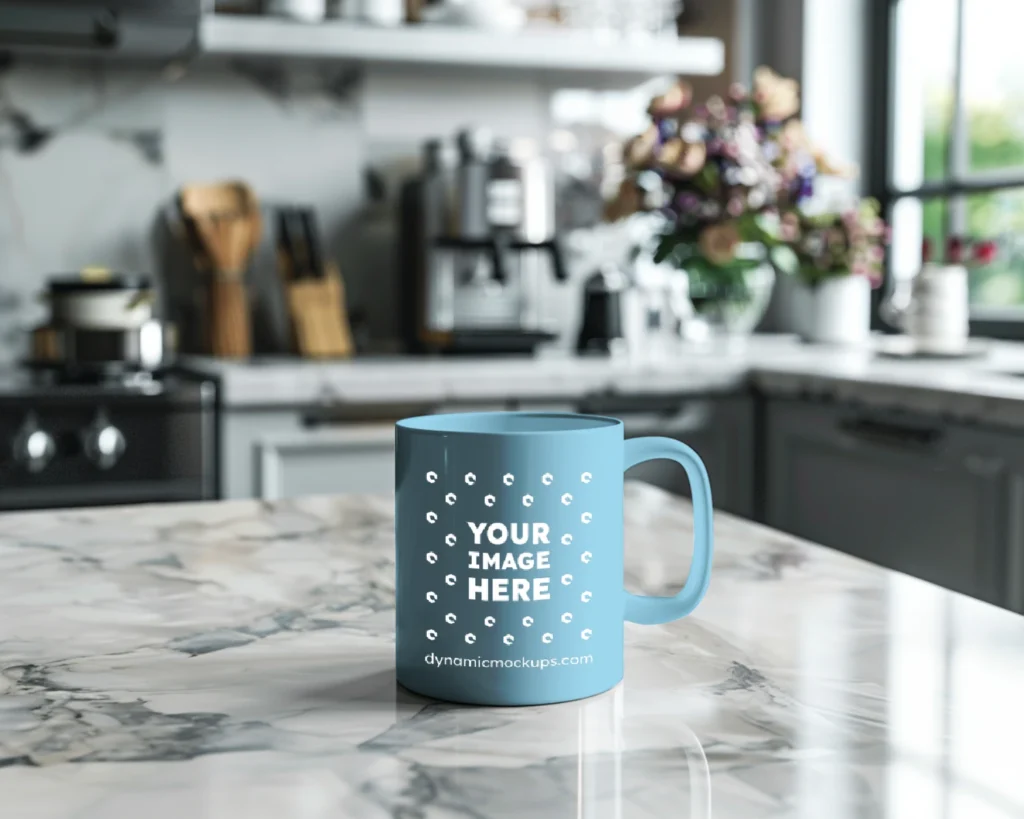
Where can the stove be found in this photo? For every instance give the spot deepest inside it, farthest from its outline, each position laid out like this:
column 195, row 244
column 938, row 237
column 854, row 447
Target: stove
column 107, row 439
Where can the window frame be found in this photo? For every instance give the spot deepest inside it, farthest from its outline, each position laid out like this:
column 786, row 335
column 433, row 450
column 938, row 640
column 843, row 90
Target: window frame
column 959, row 183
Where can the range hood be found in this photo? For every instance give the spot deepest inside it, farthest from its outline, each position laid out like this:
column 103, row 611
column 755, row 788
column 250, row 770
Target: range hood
column 152, row 29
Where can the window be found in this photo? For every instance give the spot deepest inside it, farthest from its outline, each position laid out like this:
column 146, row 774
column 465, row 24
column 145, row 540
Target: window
column 956, row 151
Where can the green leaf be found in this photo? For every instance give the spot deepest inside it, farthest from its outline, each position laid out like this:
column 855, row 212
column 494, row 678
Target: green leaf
column 707, row 179
column 785, row 259
column 666, row 245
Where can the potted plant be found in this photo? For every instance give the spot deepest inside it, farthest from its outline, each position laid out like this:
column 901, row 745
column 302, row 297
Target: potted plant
column 839, row 258
column 710, row 171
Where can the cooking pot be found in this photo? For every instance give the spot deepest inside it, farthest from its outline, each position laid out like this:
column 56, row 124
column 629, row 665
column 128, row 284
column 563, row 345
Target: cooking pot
column 100, row 302
column 75, row 352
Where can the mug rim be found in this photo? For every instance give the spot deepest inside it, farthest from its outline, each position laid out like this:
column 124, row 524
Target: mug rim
column 433, row 425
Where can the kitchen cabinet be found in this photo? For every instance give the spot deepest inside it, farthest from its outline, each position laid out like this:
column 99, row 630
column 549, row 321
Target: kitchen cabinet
column 278, row 454
column 283, row 453
column 290, row 452
column 938, row 500
column 719, row 428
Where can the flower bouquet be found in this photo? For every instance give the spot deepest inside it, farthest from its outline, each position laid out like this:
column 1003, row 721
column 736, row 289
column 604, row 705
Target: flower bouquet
column 838, row 261
column 851, row 242
column 717, row 173
column 837, row 253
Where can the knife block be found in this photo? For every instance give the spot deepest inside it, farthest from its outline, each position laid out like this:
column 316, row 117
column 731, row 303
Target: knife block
column 319, row 316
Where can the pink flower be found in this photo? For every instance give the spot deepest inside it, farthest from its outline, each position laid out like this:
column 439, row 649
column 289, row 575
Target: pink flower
column 735, row 206
column 955, row 250
column 985, row 253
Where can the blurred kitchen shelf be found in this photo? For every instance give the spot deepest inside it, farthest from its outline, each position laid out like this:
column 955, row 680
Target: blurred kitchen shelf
column 426, row 45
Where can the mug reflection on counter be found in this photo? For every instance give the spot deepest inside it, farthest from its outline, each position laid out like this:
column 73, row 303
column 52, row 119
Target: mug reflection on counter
column 618, row 740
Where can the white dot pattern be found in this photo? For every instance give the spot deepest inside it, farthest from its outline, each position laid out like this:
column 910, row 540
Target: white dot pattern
column 528, row 500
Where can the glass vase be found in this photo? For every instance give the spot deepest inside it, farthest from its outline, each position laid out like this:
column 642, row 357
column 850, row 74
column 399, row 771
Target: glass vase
column 733, row 309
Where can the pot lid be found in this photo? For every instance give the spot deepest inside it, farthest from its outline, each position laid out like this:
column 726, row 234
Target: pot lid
column 94, row 279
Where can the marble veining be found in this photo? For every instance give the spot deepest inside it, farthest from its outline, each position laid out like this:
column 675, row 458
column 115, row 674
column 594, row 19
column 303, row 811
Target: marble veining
column 236, row 660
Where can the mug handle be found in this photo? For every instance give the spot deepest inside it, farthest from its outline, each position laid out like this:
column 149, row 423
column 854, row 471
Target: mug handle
column 651, row 611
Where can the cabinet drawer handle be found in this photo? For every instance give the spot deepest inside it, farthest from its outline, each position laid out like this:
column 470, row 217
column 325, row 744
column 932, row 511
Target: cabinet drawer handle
column 891, row 433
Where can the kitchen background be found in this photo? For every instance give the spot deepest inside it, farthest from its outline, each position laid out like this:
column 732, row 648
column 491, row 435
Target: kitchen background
column 125, row 138
column 844, row 401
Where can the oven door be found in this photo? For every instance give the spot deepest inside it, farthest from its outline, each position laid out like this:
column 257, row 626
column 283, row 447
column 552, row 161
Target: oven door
column 106, row 451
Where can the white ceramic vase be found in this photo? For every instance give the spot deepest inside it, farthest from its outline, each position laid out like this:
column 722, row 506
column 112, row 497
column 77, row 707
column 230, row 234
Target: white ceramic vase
column 837, row 311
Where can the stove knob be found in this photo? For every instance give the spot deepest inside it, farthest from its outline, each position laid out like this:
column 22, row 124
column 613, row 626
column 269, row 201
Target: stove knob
column 34, row 448
column 103, row 444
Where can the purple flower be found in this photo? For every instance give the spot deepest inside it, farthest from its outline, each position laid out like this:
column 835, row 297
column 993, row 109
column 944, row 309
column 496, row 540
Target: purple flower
column 687, row 202
column 666, row 128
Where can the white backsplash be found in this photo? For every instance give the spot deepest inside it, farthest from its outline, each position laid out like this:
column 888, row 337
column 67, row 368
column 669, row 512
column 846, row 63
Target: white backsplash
column 126, row 139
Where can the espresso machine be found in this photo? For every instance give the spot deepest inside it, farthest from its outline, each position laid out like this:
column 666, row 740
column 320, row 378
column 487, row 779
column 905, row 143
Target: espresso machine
column 478, row 245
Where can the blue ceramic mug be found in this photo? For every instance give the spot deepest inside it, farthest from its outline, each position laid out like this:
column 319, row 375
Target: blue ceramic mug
column 509, row 553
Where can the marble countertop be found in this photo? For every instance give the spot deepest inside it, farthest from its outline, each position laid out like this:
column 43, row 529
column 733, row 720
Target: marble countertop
column 989, row 388
column 235, row 659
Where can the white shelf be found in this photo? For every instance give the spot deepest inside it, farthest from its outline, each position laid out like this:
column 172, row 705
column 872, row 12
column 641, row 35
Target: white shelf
column 543, row 51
